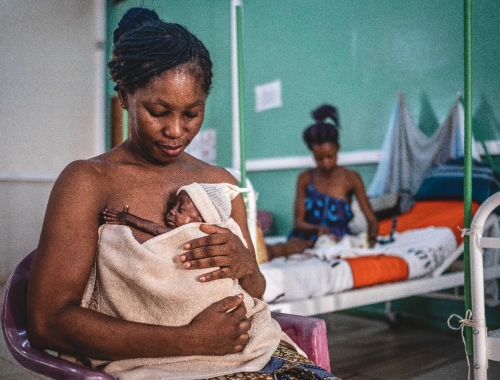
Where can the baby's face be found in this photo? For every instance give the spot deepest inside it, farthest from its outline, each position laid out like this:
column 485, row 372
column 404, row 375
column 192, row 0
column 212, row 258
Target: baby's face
column 183, row 212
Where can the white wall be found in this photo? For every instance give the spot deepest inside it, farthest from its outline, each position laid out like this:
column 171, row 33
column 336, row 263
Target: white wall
column 51, row 108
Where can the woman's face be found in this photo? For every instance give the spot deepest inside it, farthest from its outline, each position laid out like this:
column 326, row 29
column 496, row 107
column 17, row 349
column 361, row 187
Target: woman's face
column 166, row 114
column 325, row 155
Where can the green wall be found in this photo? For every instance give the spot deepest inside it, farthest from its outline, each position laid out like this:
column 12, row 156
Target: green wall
column 355, row 54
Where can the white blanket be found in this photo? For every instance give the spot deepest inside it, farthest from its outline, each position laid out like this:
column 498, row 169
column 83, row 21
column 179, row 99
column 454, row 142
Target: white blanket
column 146, row 283
column 303, row 276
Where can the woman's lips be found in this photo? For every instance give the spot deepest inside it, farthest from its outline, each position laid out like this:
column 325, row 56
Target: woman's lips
column 172, row 150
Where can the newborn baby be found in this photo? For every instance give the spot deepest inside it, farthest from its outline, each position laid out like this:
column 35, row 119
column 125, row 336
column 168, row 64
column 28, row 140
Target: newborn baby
column 197, row 202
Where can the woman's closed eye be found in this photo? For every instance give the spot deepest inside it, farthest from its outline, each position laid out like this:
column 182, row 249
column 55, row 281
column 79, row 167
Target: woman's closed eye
column 155, row 113
column 191, row 115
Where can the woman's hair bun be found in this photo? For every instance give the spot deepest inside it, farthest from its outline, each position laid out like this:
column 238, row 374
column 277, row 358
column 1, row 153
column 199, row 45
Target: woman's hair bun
column 132, row 19
column 326, row 111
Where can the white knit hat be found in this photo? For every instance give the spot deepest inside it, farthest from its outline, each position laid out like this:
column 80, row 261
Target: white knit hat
column 213, row 200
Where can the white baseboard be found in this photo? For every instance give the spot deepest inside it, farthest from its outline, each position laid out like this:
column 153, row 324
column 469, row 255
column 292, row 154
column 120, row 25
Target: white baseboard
column 25, row 177
column 299, row 162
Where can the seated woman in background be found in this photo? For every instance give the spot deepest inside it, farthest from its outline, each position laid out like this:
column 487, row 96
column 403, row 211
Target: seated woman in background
column 324, row 193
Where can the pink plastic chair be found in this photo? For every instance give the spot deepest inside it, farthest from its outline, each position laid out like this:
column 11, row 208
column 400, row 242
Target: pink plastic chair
column 308, row 333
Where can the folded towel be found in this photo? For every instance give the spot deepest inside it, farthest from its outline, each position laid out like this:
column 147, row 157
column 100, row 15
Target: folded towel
column 146, row 283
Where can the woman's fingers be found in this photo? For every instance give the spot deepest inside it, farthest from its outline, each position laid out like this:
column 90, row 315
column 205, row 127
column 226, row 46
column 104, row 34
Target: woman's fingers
column 216, row 275
column 230, row 303
column 216, row 245
column 204, row 252
column 223, row 326
column 212, row 229
column 244, row 338
column 216, row 235
column 222, row 250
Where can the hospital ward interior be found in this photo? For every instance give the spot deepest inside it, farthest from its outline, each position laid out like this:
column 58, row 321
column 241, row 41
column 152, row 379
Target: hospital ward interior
column 415, row 86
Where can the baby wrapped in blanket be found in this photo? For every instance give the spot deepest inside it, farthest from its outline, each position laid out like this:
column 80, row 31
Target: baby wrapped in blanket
column 146, row 283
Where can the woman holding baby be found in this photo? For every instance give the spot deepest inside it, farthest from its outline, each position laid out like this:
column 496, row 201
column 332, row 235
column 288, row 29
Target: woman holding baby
column 163, row 76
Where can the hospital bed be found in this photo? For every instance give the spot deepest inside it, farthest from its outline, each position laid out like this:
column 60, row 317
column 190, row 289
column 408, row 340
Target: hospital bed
column 306, row 286
column 431, row 227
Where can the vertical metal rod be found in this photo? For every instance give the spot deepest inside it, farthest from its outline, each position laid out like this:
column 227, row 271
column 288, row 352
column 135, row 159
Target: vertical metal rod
column 234, row 90
column 239, row 45
column 480, row 338
column 467, row 161
column 100, row 77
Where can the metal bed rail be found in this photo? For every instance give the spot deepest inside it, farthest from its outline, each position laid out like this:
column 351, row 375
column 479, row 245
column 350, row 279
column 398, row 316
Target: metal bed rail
column 486, row 345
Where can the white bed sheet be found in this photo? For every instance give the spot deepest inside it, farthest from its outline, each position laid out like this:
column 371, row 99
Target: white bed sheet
column 301, row 276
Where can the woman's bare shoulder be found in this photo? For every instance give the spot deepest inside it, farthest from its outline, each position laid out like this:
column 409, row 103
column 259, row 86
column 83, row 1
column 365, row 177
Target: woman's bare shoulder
column 345, row 173
column 85, row 170
column 353, row 178
column 86, row 177
column 211, row 173
column 98, row 165
column 304, row 177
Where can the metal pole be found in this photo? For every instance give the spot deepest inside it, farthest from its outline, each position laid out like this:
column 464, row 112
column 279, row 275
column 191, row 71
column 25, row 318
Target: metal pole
column 239, row 45
column 234, row 90
column 467, row 162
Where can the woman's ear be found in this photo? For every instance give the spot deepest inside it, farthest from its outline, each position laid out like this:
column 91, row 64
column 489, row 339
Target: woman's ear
column 123, row 98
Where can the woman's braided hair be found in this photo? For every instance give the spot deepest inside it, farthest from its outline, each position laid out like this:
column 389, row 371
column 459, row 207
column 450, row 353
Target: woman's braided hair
column 145, row 46
column 323, row 131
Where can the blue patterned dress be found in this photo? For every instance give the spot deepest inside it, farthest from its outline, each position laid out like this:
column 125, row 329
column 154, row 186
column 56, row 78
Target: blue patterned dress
column 323, row 210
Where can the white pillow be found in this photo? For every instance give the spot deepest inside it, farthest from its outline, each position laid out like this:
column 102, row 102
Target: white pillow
column 358, row 223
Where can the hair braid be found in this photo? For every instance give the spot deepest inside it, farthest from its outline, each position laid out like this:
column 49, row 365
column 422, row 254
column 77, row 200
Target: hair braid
column 145, row 46
column 323, row 131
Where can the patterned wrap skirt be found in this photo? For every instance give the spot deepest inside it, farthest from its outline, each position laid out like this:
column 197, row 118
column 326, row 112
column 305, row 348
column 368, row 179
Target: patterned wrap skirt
column 285, row 364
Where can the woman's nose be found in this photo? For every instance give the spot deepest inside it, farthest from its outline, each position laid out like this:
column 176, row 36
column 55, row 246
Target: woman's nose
column 173, row 128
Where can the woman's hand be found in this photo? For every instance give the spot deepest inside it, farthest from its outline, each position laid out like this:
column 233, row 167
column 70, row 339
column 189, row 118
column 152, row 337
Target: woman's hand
column 220, row 248
column 227, row 319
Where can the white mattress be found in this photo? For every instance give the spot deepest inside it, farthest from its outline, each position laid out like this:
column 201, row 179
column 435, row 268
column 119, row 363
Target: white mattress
column 301, row 276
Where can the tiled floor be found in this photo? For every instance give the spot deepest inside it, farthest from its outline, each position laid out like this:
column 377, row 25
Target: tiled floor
column 361, row 349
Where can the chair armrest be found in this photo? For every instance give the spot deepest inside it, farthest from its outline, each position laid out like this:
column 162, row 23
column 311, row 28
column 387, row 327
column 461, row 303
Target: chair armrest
column 14, row 325
column 310, row 335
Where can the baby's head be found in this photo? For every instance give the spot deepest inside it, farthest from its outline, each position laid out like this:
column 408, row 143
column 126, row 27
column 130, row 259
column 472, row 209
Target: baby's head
column 323, row 131
column 202, row 202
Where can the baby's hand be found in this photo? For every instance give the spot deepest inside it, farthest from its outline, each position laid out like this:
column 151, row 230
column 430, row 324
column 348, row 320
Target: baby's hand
column 115, row 217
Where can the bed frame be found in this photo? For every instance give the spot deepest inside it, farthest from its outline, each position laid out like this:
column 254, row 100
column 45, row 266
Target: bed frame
column 486, row 344
column 436, row 281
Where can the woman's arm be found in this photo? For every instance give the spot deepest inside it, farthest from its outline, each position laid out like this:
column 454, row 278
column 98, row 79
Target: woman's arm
column 59, row 274
column 224, row 249
column 364, row 204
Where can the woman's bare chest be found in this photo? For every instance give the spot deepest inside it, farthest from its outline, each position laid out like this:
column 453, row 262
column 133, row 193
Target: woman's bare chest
column 336, row 187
